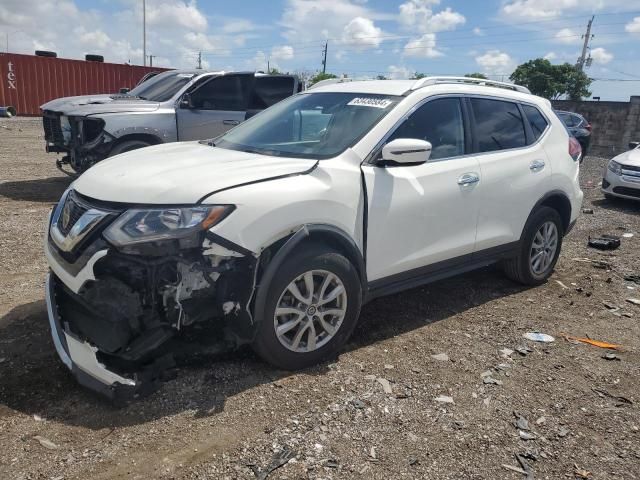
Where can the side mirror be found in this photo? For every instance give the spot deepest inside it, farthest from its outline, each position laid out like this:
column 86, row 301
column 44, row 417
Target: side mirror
column 124, row 90
column 185, row 101
column 406, row 150
column 633, row 145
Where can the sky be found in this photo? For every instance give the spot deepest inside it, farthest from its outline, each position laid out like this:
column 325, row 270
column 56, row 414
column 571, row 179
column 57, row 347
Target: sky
column 364, row 38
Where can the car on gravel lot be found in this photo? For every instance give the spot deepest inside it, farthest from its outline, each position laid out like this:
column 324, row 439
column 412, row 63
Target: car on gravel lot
column 621, row 177
column 171, row 106
column 579, row 127
column 277, row 232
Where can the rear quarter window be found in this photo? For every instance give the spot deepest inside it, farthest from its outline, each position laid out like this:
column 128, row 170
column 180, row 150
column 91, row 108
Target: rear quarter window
column 537, row 121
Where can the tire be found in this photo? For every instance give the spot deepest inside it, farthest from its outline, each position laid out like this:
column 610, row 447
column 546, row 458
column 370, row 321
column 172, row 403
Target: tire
column 316, row 258
column 127, row 146
column 521, row 268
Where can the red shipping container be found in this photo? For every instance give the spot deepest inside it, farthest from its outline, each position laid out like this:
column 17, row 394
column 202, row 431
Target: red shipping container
column 28, row 81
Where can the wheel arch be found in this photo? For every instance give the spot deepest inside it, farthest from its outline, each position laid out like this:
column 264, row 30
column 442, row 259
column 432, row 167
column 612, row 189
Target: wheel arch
column 559, row 201
column 274, row 255
column 143, row 137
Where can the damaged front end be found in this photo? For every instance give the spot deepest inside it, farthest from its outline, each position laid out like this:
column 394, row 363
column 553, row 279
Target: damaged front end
column 83, row 140
column 128, row 300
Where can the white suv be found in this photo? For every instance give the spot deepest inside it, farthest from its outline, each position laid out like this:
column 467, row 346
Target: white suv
column 277, row 232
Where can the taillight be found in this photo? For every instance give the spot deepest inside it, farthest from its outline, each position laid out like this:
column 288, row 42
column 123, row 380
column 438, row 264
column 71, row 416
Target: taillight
column 588, row 127
column 575, row 150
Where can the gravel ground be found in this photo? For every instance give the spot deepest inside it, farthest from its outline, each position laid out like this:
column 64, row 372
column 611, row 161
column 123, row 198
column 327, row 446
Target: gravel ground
column 371, row 413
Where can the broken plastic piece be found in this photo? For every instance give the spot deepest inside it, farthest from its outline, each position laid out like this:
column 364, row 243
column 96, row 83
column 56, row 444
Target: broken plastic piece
column 605, row 242
column 539, row 337
column 595, row 343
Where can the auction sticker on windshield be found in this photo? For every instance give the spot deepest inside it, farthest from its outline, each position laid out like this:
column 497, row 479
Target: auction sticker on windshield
column 370, row 102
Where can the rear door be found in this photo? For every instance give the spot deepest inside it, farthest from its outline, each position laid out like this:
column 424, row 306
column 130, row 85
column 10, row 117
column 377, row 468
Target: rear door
column 217, row 105
column 269, row 90
column 514, row 167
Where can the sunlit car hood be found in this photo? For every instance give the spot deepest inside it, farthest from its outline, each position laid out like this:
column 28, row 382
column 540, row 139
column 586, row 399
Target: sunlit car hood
column 632, row 158
column 94, row 104
column 180, row 173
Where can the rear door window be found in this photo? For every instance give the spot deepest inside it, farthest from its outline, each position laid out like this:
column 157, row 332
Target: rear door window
column 498, row 125
column 270, row 90
column 536, row 120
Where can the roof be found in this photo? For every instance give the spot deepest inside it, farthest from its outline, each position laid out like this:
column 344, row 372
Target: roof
column 404, row 87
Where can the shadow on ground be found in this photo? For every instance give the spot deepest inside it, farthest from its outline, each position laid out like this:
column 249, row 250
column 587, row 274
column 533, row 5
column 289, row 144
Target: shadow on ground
column 34, row 381
column 618, row 205
column 46, row 190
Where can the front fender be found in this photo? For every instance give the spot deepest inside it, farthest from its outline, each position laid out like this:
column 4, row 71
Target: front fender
column 160, row 124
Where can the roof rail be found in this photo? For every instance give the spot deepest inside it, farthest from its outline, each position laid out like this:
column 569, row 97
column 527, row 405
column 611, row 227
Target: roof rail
column 427, row 81
column 329, row 81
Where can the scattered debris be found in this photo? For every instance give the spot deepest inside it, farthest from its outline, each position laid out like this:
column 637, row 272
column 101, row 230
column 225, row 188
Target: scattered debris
column 580, row 472
column 539, row 337
column 388, row 366
column 441, row 357
column 386, row 386
column 527, row 435
column 605, row 242
column 521, row 423
column 514, row 469
column 486, row 373
column 622, row 401
column 506, row 352
column 562, row 284
column 444, row 399
column 588, row 211
column 632, row 278
column 524, row 351
column 491, row 381
column 627, row 235
column 611, row 356
column 412, row 461
column 525, row 466
column 635, row 301
column 541, row 421
column 563, row 432
column 280, row 458
column 595, row 343
column 359, row 404
column 46, row 443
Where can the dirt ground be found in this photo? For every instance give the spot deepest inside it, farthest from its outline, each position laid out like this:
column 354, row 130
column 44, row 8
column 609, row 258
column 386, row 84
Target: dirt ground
column 233, row 417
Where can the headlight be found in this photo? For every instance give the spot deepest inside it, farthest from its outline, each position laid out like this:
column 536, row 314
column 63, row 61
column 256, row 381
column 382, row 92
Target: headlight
column 147, row 225
column 615, row 167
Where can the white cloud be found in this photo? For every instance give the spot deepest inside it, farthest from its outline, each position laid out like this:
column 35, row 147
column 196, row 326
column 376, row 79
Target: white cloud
column 551, row 9
column 551, row 56
column 601, row 56
column 361, row 33
column 176, row 12
column 495, row 62
column 418, row 16
column 425, row 47
column 399, row 73
column 478, row 31
column 633, row 26
column 567, row 36
column 282, row 52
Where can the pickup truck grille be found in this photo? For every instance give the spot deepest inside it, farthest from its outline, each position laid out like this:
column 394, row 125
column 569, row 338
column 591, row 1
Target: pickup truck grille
column 52, row 128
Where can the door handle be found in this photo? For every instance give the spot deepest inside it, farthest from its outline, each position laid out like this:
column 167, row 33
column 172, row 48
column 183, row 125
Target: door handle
column 467, row 179
column 536, row 165
column 230, row 122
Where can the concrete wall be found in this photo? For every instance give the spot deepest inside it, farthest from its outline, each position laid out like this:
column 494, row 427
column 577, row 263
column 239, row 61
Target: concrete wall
column 615, row 124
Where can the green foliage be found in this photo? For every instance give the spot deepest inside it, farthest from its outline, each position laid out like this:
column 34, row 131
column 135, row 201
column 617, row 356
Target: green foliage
column 418, row 76
column 274, row 71
column 321, row 76
column 381, row 77
column 476, row 75
column 552, row 81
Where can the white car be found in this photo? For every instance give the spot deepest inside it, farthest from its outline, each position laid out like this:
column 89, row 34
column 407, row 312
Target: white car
column 275, row 233
column 621, row 176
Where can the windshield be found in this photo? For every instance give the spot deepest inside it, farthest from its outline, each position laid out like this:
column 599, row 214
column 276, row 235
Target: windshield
column 312, row 125
column 161, row 87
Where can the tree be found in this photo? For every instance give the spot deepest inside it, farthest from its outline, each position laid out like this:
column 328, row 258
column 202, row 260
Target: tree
column 418, row 76
column 381, row 77
column 321, row 76
column 476, row 75
column 274, row 71
column 552, row 81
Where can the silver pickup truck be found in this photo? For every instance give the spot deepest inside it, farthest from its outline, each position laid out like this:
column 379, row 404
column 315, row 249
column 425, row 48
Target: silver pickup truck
column 172, row 106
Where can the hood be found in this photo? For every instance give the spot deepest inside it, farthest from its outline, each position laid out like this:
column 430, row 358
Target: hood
column 93, row 104
column 180, row 173
column 632, row 158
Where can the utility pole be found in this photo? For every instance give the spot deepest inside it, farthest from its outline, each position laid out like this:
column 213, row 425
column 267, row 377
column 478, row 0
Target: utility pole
column 151, row 59
column 324, row 57
column 144, row 33
column 199, row 60
column 587, row 38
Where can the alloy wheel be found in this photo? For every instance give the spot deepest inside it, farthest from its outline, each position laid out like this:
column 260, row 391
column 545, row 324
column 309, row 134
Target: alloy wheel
column 543, row 248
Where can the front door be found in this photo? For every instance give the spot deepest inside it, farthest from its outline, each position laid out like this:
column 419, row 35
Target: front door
column 421, row 215
column 216, row 106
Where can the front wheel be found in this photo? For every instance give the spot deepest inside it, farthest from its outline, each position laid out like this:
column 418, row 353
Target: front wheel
column 127, row 146
column 539, row 248
column 312, row 307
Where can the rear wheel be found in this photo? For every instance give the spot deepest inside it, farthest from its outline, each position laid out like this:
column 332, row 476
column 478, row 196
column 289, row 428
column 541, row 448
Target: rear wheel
column 312, row 307
column 127, row 146
column 539, row 248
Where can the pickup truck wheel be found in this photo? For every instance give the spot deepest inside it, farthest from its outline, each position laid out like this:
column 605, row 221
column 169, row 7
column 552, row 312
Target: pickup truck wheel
column 539, row 248
column 312, row 307
column 127, row 146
